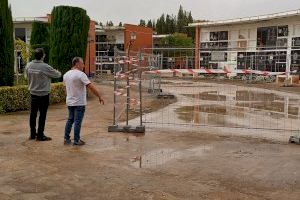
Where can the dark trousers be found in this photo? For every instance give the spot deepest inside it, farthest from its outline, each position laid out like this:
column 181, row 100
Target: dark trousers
column 38, row 104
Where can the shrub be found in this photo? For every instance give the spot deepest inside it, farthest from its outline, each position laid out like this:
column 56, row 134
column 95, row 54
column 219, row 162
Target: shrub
column 17, row 98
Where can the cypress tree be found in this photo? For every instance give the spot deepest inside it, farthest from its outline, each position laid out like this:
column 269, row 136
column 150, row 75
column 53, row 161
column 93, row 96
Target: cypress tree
column 160, row 25
column 40, row 37
column 181, row 20
column 168, row 24
column 6, row 45
column 109, row 23
column 190, row 31
column 154, row 25
column 149, row 24
column 68, row 36
column 142, row 22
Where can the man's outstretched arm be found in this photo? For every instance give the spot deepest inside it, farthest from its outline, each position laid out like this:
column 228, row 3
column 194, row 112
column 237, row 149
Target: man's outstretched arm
column 94, row 90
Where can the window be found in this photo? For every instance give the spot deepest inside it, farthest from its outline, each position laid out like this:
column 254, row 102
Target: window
column 295, row 58
column 205, row 59
column 218, row 41
column 272, row 37
column 283, row 31
column 20, row 34
column 296, row 43
column 101, row 38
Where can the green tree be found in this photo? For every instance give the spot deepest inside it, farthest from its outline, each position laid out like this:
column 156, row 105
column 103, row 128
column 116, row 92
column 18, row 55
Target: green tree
column 172, row 27
column 178, row 40
column 6, row 45
column 190, row 31
column 149, row 24
column 40, row 37
column 168, row 25
column 160, row 25
column 181, row 20
column 68, row 36
column 142, row 22
column 109, row 23
column 120, row 24
column 153, row 25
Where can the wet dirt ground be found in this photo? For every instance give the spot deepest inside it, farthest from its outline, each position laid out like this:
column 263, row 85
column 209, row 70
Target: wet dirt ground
column 162, row 164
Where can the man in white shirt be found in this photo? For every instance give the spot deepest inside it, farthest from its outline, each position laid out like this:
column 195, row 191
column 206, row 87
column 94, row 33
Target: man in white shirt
column 76, row 83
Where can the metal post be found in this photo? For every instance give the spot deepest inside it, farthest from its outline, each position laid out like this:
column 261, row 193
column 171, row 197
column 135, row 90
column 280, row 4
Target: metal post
column 128, row 86
column 18, row 68
column 89, row 58
column 140, row 89
column 115, row 89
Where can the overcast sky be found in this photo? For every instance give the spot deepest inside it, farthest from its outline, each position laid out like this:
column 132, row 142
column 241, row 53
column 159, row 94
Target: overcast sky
column 131, row 11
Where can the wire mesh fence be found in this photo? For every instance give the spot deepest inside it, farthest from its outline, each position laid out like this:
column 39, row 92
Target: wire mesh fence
column 218, row 107
column 208, row 102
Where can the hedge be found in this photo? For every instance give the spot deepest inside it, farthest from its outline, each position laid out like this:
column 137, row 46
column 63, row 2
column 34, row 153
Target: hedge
column 17, row 98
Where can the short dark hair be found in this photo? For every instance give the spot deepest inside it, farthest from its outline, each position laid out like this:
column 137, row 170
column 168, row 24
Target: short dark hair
column 39, row 53
column 76, row 60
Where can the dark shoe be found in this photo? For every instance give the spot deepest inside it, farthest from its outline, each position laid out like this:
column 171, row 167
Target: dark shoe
column 79, row 143
column 32, row 137
column 67, row 141
column 43, row 138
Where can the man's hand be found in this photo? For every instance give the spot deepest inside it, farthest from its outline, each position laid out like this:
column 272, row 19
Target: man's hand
column 101, row 100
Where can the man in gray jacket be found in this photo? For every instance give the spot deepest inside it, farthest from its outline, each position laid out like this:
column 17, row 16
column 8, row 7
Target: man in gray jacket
column 39, row 76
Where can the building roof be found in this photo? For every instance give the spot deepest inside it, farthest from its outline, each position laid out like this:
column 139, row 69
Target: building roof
column 108, row 28
column 248, row 19
column 161, row 36
column 30, row 19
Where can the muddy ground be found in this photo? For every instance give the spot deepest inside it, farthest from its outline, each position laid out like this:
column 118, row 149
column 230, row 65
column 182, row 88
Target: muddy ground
column 159, row 165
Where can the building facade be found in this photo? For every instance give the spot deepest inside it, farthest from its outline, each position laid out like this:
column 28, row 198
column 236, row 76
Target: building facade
column 266, row 43
column 110, row 38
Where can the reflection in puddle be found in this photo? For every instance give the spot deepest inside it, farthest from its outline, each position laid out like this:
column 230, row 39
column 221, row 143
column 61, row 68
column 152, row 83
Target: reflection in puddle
column 209, row 96
column 231, row 116
column 271, row 106
column 212, row 114
column 241, row 110
column 244, row 95
column 160, row 157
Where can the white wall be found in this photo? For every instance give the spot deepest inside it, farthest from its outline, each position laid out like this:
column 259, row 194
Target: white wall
column 246, row 33
column 28, row 29
column 249, row 30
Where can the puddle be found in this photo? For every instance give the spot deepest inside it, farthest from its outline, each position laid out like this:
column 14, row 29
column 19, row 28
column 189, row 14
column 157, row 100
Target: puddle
column 270, row 106
column 234, row 116
column 244, row 95
column 208, row 96
column 103, row 144
column 209, row 114
column 212, row 109
column 160, row 157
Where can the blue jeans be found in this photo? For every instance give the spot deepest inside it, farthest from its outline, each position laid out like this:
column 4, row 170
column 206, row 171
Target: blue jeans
column 76, row 114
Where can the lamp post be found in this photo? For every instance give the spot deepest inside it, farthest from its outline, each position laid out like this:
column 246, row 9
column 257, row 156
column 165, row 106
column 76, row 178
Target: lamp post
column 132, row 39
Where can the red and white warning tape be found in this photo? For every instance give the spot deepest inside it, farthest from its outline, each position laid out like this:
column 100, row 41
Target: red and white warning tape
column 214, row 71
